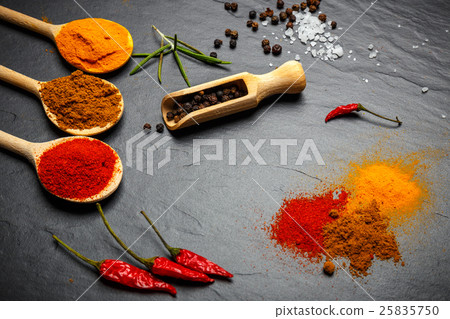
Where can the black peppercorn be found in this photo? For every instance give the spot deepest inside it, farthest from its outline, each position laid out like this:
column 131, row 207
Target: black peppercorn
column 169, row 116
column 333, row 24
column 234, row 34
column 226, row 91
column 233, row 43
column 289, row 11
column 289, row 25
column 276, row 49
column 312, row 8
column 237, row 94
column 176, row 118
column 159, row 127
column 227, row 32
column 219, row 94
column 249, row 23
column 275, row 20
column 147, row 126
column 262, row 16
column 182, row 115
column 252, row 14
column 280, row 4
column 197, row 98
column 233, row 89
column 195, row 108
column 303, row 6
column 269, row 12
column 292, row 18
column 227, row 6
column 283, row 16
column 310, row 2
column 217, row 43
column 234, row 6
column 213, row 55
column 206, row 104
column 322, row 17
column 265, row 42
column 296, row 7
column 316, row 3
column 187, row 106
column 213, row 99
column 267, row 49
column 255, row 26
column 225, row 98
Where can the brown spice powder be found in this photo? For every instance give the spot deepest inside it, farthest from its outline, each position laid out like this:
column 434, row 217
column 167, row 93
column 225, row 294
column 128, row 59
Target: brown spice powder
column 360, row 236
column 81, row 101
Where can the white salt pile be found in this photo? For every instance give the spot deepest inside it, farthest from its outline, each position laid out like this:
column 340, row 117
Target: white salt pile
column 310, row 30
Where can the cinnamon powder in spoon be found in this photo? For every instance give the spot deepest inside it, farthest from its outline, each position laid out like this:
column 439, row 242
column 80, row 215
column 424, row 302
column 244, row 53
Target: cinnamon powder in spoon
column 81, row 101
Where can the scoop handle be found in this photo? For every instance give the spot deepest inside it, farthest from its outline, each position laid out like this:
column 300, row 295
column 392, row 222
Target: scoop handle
column 27, row 22
column 19, row 80
column 17, row 145
column 288, row 78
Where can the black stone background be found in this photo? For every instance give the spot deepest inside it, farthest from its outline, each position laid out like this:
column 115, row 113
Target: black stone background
column 221, row 215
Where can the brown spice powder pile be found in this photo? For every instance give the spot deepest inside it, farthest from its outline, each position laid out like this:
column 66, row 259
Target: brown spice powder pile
column 81, row 101
column 360, row 236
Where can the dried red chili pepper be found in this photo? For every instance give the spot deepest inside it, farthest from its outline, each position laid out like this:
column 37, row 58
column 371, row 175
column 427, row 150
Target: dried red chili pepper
column 159, row 265
column 124, row 273
column 190, row 259
column 346, row 109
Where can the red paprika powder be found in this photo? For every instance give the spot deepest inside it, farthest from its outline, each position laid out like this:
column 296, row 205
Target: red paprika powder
column 298, row 225
column 77, row 169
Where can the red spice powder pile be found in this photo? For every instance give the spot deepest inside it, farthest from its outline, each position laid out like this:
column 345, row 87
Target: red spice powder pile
column 298, row 225
column 77, row 169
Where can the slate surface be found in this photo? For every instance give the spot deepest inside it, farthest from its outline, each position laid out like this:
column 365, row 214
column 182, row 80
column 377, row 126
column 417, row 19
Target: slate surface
column 222, row 209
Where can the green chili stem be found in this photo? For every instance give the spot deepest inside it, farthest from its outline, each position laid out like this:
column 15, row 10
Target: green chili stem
column 121, row 243
column 362, row 108
column 173, row 251
column 94, row 263
column 201, row 57
column 180, row 65
column 187, row 45
column 160, row 61
column 151, row 55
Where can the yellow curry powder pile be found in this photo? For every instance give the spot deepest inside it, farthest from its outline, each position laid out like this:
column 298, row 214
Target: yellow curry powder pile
column 361, row 236
column 81, row 101
column 392, row 183
column 96, row 45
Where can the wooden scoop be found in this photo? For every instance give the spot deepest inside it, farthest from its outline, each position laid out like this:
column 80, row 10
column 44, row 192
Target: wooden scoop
column 288, row 78
column 32, row 151
column 34, row 86
column 52, row 30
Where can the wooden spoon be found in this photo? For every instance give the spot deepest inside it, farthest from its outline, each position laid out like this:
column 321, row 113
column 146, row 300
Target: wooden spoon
column 52, row 30
column 288, row 78
column 32, row 151
column 34, row 86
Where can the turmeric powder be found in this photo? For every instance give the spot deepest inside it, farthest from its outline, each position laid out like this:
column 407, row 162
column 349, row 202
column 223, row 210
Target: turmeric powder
column 95, row 45
column 390, row 184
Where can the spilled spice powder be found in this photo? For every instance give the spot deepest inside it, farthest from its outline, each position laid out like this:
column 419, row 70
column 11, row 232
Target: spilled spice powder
column 81, row 101
column 361, row 236
column 298, row 224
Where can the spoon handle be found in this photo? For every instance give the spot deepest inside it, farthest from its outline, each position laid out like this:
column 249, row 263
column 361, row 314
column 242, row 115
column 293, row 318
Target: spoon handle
column 19, row 80
column 288, row 78
column 27, row 22
column 17, row 145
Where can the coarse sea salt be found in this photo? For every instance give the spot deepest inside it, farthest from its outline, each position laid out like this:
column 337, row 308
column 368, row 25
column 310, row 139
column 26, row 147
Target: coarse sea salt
column 372, row 55
column 370, row 47
column 297, row 57
column 424, row 89
column 265, row 23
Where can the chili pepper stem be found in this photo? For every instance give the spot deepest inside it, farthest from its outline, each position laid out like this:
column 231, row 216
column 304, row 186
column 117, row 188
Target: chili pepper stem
column 121, row 243
column 173, row 251
column 94, row 263
column 362, row 108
